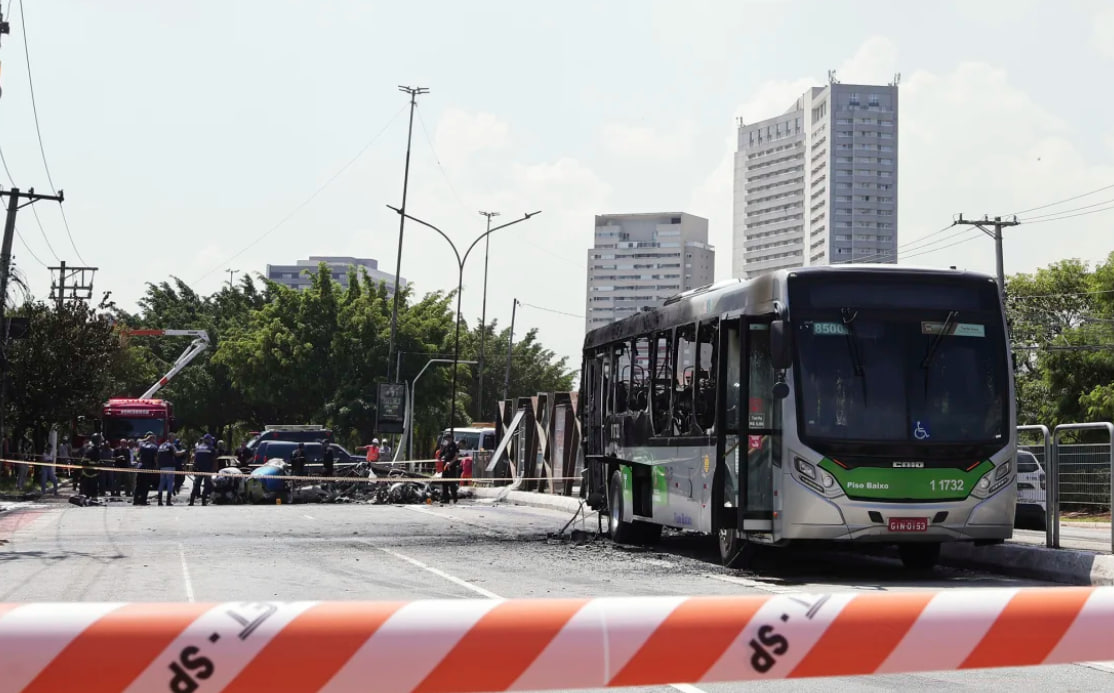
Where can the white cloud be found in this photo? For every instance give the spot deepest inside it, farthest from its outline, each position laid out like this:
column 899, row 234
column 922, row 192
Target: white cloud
column 1102, row 32
column 644, row 142
column 970, row 140
column 460, row 134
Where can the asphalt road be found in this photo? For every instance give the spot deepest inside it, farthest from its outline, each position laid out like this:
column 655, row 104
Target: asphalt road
column 59, row 552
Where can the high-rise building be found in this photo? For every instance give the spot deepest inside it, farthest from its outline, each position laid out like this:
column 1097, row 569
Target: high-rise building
column 640, row 260
column 295, row 277
column 817, row 184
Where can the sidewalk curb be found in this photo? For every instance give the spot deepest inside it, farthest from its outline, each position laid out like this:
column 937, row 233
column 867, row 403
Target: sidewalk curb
column 1065, row 566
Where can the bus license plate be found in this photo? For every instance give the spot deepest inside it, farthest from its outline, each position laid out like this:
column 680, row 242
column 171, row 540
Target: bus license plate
column 908, row 524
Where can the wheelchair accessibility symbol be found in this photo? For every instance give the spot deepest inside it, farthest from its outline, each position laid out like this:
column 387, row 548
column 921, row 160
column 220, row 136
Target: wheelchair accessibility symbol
column 920, row 432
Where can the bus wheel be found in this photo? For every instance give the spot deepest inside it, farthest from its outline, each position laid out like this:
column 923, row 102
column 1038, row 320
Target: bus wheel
column 619, row 531
column 919, row 557
column 734, row 551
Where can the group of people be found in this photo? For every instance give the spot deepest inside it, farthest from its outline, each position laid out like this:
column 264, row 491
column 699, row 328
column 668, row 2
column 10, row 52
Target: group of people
column 134, row 465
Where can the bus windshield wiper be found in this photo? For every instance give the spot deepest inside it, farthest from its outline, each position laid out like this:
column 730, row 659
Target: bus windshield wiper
column 849, row 316
column 948, row 322
column 852, row 343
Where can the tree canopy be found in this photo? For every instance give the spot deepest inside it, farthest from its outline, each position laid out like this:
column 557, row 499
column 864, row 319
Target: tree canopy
column 277, row 355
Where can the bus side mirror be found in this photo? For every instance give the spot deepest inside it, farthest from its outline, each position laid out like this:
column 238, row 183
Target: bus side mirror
column 779, row 346
column 780, row 389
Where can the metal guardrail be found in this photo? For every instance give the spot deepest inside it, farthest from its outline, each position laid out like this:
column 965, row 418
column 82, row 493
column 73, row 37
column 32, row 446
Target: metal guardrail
column 1052, row 511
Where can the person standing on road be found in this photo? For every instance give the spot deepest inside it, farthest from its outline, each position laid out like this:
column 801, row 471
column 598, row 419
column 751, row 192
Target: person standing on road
column 450, row 457
column 148, row 461
column 204, row 463
column 298, row 460
column 373, row 451
column 47, row 472
column 167, row 462
column 90, row 459
column 125, row 479
column 328, row 459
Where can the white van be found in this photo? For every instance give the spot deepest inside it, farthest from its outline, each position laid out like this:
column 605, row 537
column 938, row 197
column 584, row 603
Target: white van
column 1032, row 492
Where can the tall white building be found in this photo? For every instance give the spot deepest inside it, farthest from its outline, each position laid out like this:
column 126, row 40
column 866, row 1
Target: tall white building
column 640, row 260
column 817, row 184
column 295, row 277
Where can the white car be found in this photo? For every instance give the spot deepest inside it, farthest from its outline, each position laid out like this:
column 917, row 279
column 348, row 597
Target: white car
column 1032, row 492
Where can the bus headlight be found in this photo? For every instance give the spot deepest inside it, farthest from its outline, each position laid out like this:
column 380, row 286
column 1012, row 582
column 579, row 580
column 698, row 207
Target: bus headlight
column 827, row 479
column 990, row 484
column 806, row 469
column 816, row 478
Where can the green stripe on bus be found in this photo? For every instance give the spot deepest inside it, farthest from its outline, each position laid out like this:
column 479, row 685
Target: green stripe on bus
column 906, row 484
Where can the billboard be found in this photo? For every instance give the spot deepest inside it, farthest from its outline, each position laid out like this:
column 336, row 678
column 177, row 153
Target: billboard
column 390, row 414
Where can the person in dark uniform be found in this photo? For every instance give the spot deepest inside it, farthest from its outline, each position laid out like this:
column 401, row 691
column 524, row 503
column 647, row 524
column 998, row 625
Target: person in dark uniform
column 124, row 480
column 204, row 463
column 450, row 457
column 91, row 458
column 328, row 459
column 298, row 460
column 166, row 460
column 181, row 458
column 148, row 454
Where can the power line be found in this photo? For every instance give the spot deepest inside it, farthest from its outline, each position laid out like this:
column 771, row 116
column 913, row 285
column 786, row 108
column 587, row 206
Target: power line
column 34, row 211
column 918, row 242
column 39, row 133
column 28, row 249
column 950, row 245
column 550, row 310
column 1068, row 211
column 437, row 160
column 1070, row 216
column 305, row 202
column 1058, row 202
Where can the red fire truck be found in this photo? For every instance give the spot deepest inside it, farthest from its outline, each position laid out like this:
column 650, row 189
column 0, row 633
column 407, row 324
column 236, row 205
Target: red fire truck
column 135, row 417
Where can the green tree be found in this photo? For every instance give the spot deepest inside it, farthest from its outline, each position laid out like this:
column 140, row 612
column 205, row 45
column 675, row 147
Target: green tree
column 70, row 362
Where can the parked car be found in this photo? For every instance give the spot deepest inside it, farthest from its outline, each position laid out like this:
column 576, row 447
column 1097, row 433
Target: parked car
column 1032, row 492
column 283, row 449
column 295, row 434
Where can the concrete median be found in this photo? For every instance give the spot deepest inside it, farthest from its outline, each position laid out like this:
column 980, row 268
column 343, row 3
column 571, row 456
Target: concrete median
column 1066, row 566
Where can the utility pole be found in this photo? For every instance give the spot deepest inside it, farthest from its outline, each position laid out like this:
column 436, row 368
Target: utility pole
column 14, row 195
column 510, row 350
column 483, row 316
column 414, row 92
column 78, row 281
column 996, row 234
column 231, row 273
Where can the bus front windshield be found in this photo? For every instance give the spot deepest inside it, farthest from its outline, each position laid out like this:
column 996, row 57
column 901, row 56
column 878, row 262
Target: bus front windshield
column 915, row 376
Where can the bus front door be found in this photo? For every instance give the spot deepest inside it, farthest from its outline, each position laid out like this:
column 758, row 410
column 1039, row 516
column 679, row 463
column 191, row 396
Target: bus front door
column 759, row 450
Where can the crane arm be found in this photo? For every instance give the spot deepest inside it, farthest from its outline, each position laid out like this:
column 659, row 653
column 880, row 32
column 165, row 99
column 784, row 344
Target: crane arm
column 199, row 344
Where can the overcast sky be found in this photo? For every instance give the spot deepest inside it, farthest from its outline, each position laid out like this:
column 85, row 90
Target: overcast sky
column 184, row 131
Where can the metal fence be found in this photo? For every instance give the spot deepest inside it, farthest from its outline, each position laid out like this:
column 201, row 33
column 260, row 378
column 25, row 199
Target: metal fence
column 1084, row 475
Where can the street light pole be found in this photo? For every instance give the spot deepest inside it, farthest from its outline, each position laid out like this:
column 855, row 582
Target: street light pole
column 460, row 260
column 414, row 92
column 483, row 317
column 410, row 405
column 510, row 351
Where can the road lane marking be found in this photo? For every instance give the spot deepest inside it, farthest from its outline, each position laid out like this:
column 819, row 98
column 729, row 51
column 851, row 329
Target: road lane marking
column 1107, row 667
column 442, row 574
column 186, row 573
column 308, row 517
column 755, row 584
column 685, row 688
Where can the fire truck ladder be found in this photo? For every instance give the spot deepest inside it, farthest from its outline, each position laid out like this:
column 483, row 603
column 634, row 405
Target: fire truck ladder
column 199, row 344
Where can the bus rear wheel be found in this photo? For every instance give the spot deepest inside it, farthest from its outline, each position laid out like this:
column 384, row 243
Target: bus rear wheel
column 620, row 532
column 919, row 557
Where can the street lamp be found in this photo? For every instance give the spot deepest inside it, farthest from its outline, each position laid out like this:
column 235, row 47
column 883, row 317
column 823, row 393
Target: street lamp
column 410, row 407
column 460, row 260
column 483, row 317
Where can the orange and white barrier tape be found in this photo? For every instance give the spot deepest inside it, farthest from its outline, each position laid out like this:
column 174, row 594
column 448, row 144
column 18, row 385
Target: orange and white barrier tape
column 498, row 645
